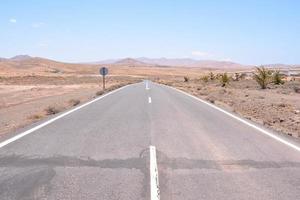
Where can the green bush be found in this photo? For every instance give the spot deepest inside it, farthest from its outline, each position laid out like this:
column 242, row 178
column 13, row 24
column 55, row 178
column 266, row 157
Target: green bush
column 204, row 78
column 211, row 76
column 262, row 76
column 224, row 79
column 277, row 78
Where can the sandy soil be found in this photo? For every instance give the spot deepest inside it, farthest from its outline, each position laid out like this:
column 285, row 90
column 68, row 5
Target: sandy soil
column 277, row 107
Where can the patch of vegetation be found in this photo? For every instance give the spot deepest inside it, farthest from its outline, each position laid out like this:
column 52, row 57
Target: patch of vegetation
column 74, row 102
column 204, row 78
column 210, row 99
column 99, row 93
column 35, row 117
column 262, row 76
column 114, row 87
column 218, row 76
column 211, row 76
column 236, row 76
column 277, row 78
column 186, row 79
column 52, row 110
column 224, row 79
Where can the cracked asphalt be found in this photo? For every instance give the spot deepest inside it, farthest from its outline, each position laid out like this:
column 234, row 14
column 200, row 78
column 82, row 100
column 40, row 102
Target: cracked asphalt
column 102, row 152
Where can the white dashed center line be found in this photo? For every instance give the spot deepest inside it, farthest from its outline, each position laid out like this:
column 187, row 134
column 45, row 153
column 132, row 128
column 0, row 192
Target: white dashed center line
column 147, row 85
column 154, row 183
column 149, row 100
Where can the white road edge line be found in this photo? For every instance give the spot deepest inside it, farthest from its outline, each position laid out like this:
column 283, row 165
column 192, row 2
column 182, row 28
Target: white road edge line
column 154, row 183
column 242, row 120
column 149, row 100
column 8, row 141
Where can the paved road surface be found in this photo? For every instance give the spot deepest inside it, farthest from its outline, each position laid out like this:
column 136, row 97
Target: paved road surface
column 101, row 151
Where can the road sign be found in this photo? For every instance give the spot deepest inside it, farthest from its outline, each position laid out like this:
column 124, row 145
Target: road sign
column 103, row 71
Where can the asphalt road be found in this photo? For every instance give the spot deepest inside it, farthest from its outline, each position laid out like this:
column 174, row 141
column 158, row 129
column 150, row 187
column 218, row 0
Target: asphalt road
column 101, row 151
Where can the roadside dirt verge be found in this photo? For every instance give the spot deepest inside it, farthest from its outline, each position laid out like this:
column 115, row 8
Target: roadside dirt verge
column 24, row 100
column 277, row 107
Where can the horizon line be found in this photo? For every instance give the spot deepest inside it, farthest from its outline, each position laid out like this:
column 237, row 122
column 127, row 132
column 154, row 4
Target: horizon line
column 135, row 58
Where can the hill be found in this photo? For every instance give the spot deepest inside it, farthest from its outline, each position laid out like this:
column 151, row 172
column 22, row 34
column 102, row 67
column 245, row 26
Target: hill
column 27, row 65
column 174, row 62
column 20, row 58
column 130, row 62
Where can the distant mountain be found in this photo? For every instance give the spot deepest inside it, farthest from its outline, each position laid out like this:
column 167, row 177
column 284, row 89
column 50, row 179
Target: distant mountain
column 179, row 62
column 27, row 65
column 3, row 59
column 176, row 62
column 187, row 62
column 172, row 62
column 103, row 62
column 20, row 58
column 218, row 64
column 130, row 62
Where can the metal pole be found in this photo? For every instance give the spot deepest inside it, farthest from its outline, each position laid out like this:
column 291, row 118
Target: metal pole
column 103, row 82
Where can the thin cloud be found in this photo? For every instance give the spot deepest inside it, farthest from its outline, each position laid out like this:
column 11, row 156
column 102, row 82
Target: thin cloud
column 200, row 53
column 12, row 20
column 227, row 59
column 206, row 55
column 37, row 24
column 43, row 44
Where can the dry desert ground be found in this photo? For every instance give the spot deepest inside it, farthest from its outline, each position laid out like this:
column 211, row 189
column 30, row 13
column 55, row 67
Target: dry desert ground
column 277, row 107
column 34, row 89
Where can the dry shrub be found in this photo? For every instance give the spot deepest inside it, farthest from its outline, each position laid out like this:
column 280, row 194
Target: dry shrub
column 236, row 77
column 35, row 117
column 99, row 93
column 113, row 87
column 186, row 79
column 204, row 78
column 74, row 102
column 210, row 99
column 52, row 110
column 211, row 76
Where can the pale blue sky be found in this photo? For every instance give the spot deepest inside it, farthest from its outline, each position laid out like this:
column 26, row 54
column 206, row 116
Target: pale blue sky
column 249, row 32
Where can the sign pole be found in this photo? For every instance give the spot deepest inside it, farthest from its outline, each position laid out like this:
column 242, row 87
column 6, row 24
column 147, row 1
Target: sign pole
column 103, row 82
column 103, row 71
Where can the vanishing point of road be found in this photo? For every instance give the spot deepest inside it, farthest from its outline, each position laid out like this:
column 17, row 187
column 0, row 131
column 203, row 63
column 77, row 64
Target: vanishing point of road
column 148, row 141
